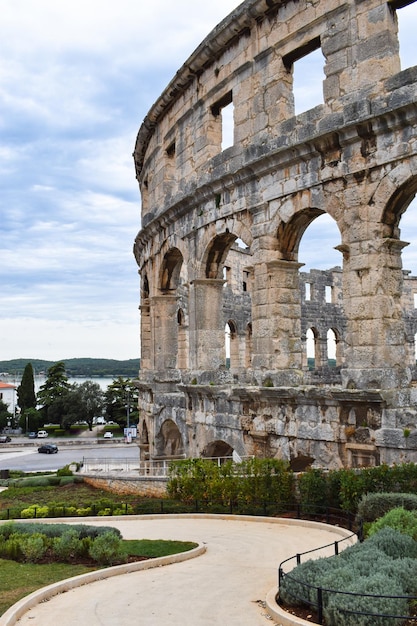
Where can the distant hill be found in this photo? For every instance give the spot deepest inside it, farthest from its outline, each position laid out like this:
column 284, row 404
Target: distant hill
column 76, row 367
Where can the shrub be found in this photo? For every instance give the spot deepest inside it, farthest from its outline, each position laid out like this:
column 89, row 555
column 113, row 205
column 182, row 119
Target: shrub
column 11, row 548
column 375, row 505
column 33, row 547
column 69, row 546
column 107, row 549
column 34, row 510
column 399, row 519
column 64, row 471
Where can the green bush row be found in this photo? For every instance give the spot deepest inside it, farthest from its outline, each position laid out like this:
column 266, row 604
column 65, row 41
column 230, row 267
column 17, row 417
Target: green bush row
column 272, row 479
column 384, row 565
column 253, row 480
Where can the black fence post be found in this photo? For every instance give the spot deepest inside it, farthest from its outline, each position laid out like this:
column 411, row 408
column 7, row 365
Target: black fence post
column 320, row 605
column 336, row 548
column 298, row 557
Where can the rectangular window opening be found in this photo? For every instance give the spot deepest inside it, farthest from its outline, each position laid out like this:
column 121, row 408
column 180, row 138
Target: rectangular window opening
column 329, row 294
column 171, row 150
column 307, row 65
column 407, row 16
column 308, row 292
column 224, row 107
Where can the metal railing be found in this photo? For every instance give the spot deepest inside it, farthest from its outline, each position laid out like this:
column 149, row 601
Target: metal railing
column 320, row 592
column 134, row 467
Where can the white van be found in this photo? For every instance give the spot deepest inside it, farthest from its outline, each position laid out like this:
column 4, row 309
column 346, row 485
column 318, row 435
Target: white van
column 42, row 434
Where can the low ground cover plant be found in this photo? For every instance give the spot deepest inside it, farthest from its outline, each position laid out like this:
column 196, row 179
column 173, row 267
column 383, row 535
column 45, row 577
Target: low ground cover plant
column 384, row 565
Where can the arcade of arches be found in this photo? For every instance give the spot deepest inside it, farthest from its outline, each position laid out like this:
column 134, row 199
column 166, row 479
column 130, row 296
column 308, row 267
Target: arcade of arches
column 241, row 350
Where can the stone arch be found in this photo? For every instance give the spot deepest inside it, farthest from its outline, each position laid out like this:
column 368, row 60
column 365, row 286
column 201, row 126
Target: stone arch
column 334, row 345
column 289, row 234
column 215, row 243
column 216, row 253
column 216, row 449
column 393, row 195
column 171, row 270
column 169, row 442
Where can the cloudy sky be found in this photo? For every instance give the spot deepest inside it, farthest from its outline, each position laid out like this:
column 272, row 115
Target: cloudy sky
column 76, row 80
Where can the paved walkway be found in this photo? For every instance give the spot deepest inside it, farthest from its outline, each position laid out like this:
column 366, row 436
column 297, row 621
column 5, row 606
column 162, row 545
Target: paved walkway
column 226, row 586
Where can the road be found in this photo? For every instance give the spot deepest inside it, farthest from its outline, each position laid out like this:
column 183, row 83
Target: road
column 26, row 457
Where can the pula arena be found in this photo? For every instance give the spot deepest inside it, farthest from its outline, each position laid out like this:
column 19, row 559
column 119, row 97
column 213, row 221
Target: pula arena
column 221, row 228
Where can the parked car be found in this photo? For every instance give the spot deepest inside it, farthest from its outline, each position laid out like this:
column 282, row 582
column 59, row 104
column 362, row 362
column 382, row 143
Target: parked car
column 32, row 435
column 48, row 448
column 108, row 435
column 42, row 434
column 4, row 439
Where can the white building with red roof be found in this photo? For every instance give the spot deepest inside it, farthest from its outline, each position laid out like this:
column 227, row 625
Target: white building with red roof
column 8, row 395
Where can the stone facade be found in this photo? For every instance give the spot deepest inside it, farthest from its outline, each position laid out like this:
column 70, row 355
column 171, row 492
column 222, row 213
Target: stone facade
column 220, row 236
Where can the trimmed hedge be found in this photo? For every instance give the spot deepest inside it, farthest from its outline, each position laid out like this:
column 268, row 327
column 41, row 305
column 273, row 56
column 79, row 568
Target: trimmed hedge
column 375, row 505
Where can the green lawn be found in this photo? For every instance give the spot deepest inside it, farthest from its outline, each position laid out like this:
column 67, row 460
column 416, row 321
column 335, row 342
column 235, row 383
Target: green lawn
column 20, row 579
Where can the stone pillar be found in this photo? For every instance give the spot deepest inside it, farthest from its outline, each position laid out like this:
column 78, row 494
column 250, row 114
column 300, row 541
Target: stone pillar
column 376, row 354
column 207, row 337
column 276, row 314
column 145, row 336
column 165, row 332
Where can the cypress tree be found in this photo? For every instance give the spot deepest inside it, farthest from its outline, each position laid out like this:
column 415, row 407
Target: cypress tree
column 26, row 397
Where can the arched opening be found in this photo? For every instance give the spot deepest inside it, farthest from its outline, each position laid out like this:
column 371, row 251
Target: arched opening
column 313, row 349
column 168, row 442
column 400, row 218
column 218, row 449
column 217, row 253
column 231, row 344
column 171, row 270
column 317, row 244
column 145, row 313
column 331, row 348
column 144, row 441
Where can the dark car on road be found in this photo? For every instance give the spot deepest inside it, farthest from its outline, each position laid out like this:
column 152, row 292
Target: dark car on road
column 48, row 448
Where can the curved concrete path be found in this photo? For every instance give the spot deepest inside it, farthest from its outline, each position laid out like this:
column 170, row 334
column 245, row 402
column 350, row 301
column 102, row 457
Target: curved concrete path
column 228, row 584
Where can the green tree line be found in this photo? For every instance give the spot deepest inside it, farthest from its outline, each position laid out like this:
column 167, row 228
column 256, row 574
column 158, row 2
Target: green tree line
column 84, row 367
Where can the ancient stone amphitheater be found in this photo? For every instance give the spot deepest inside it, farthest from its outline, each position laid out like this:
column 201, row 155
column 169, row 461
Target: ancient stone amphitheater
column 221, row 228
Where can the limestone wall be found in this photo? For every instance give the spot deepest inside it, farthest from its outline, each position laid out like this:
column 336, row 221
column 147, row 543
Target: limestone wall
column 221, row 230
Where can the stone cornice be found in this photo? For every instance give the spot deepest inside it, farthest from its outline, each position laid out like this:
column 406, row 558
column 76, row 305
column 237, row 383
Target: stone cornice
column 260, row 161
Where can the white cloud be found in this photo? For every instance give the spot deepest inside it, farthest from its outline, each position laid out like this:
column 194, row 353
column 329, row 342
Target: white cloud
column 76, row 80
